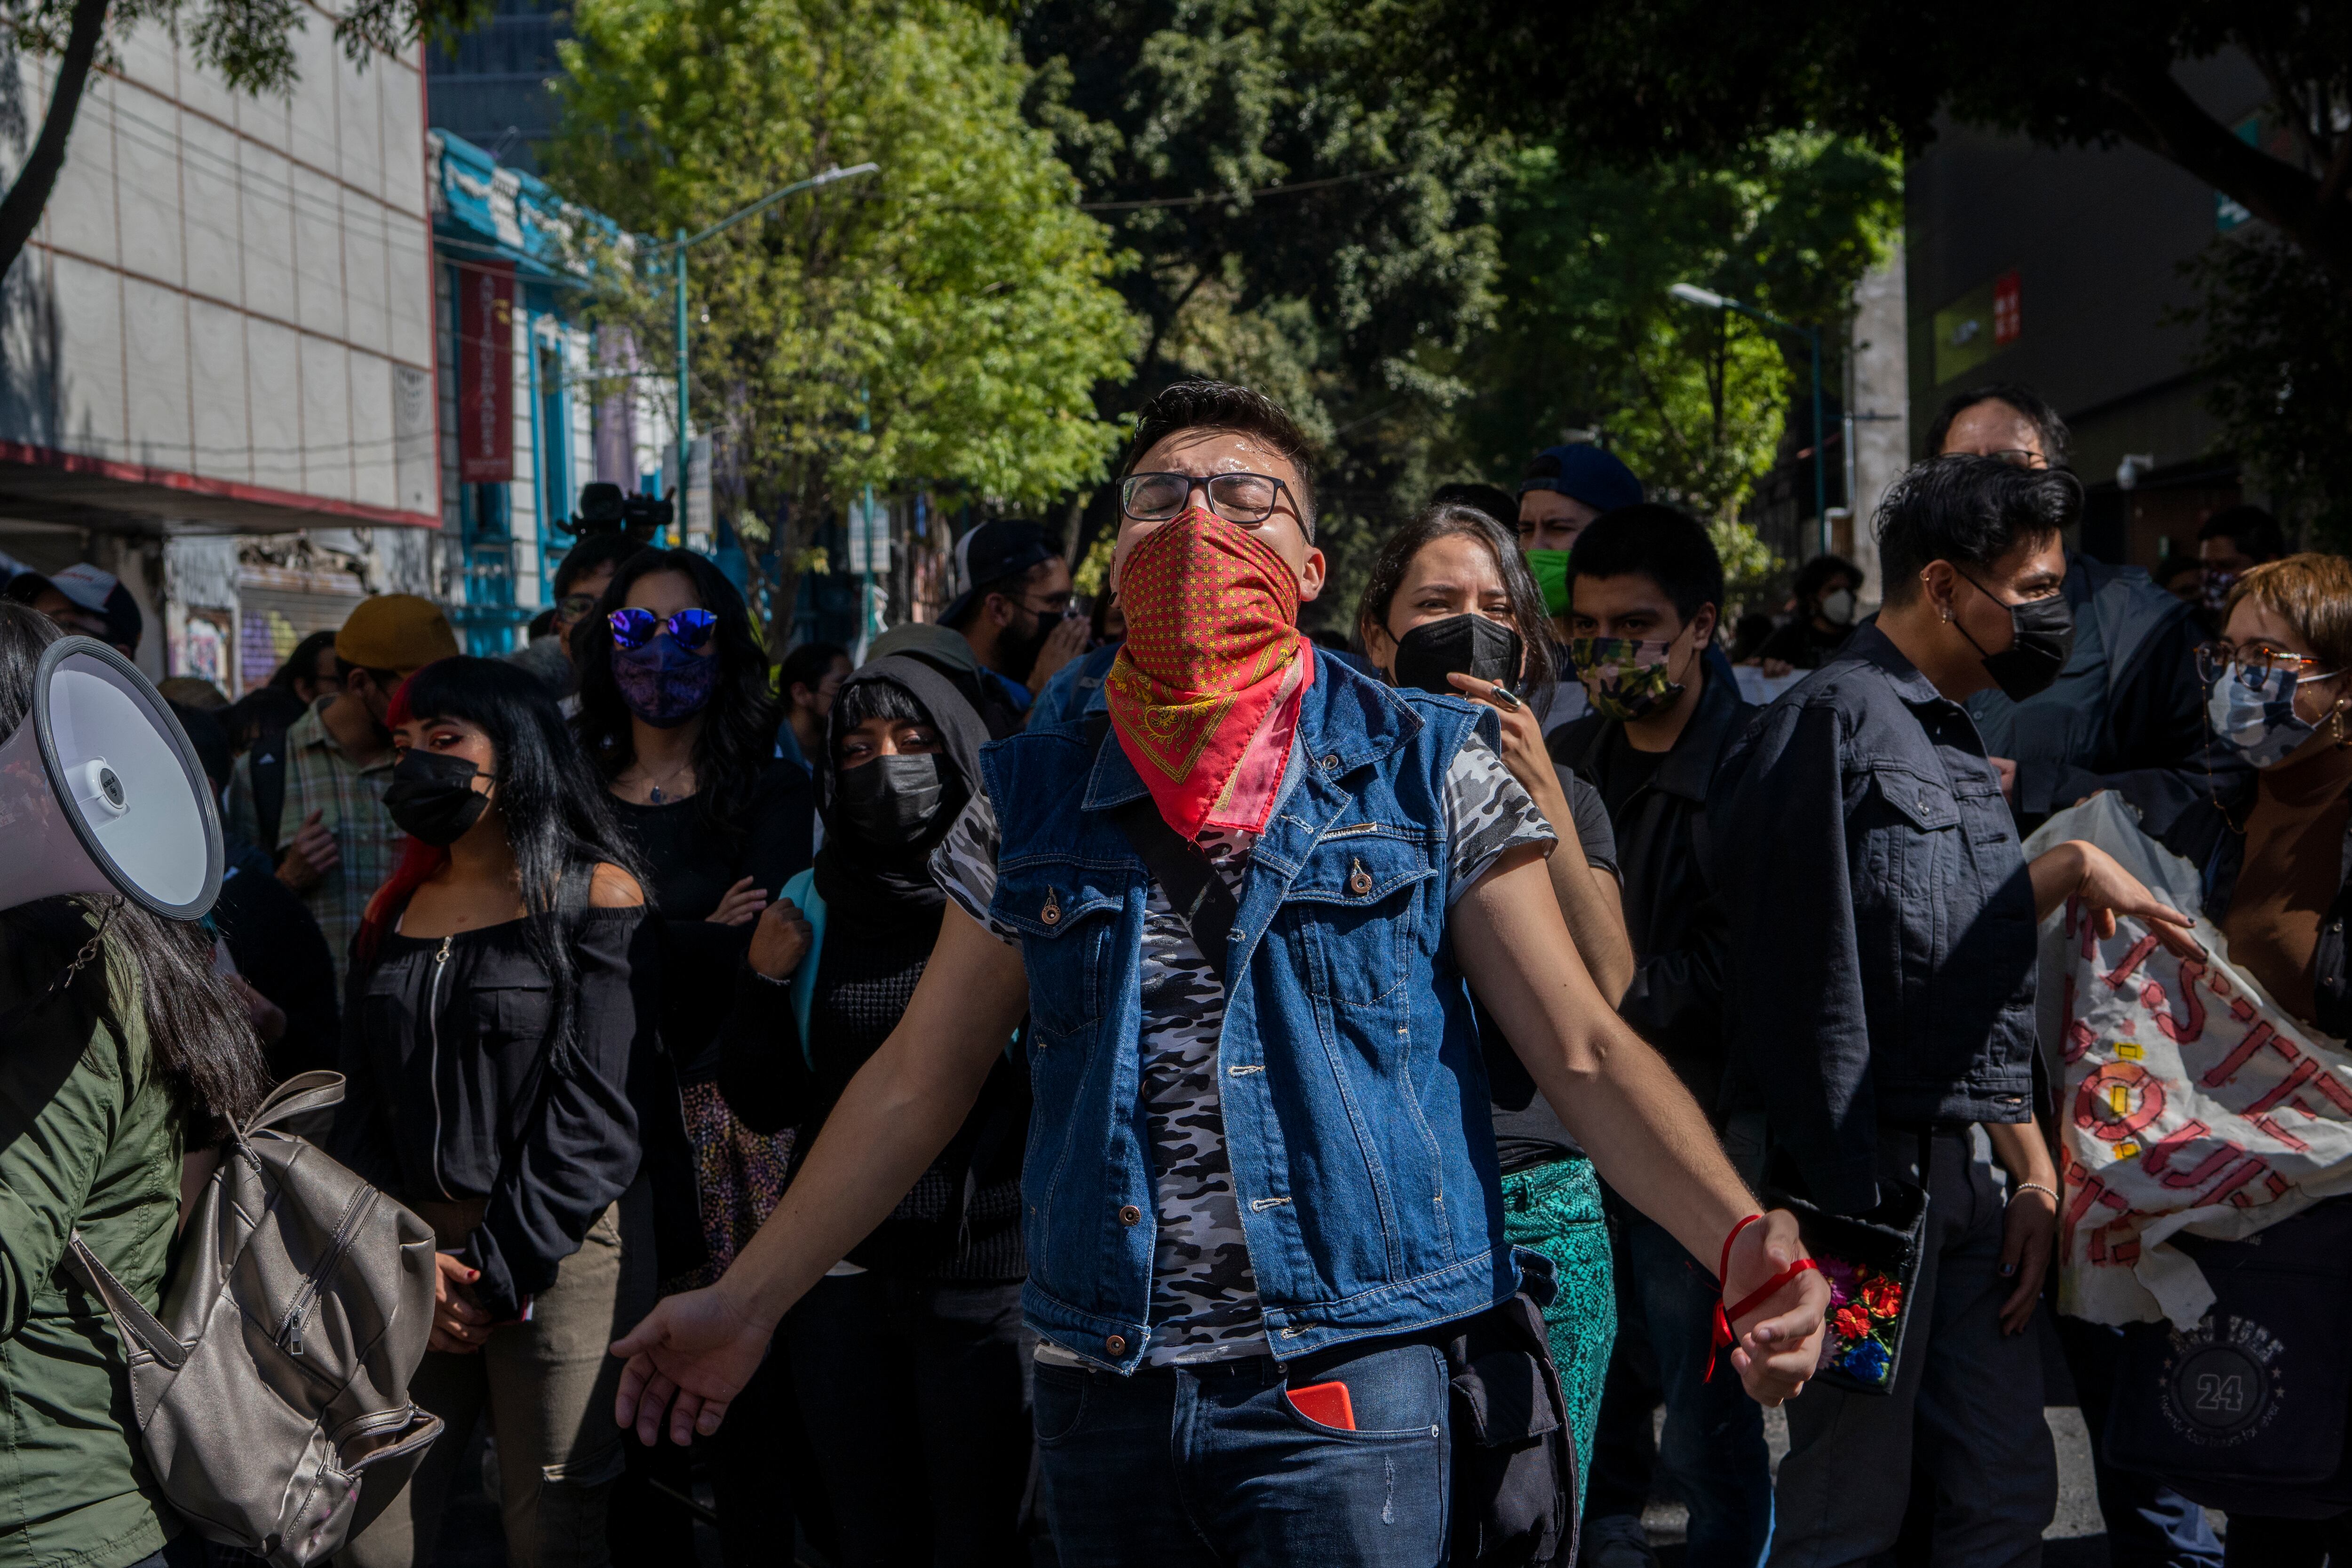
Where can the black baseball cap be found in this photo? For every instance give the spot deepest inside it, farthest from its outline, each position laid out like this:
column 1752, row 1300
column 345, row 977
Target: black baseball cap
column 990, row 553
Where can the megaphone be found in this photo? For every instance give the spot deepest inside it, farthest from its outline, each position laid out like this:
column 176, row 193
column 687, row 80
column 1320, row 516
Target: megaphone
column 101, row 793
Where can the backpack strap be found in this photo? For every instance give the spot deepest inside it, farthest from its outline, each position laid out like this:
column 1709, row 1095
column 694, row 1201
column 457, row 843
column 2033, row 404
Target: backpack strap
column 1195, row 892
column 136, row 1323
column 266, row 765
column 802, row 891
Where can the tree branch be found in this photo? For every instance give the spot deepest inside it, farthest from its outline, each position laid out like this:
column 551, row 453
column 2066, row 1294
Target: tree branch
column 2156, row 112
column 20, row 213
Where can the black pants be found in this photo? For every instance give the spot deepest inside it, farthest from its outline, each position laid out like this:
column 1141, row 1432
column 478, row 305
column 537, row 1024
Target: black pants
column 915, row 1400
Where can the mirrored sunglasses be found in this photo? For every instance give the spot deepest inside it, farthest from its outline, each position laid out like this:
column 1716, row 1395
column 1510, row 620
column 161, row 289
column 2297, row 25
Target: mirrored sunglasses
column 690, row 629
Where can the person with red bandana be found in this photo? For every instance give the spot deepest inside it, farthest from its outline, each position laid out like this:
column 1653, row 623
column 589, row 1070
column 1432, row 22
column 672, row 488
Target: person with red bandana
column 1244, row 912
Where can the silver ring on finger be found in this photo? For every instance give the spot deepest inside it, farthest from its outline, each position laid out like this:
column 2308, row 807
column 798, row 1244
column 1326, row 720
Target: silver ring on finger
column 1509, row 699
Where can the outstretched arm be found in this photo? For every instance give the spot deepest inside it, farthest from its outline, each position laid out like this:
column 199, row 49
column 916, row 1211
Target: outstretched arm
column 1644, row 1130
column 694, row 1351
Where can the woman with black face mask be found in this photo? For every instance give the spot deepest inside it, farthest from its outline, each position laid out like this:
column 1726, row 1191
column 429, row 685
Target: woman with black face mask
column 909, row 1360
column 505, row 1083
column 676, row 710
column 1443, row 611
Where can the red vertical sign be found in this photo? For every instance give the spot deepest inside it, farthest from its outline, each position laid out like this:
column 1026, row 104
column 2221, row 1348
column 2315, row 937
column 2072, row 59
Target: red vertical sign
column 485, row 372
column 2008, row 309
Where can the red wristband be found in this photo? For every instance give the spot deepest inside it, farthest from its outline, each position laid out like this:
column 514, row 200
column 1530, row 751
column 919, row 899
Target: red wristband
column 1723, row 1265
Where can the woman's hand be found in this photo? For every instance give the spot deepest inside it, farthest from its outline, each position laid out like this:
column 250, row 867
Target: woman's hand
column 1778, row 1343
column 2081, row 870
column 459, row 1326
column 268, row 1017
column 2028, row 1227
column 1523, row 749
column 780, row 941
column 2029, row 1233
column 741, row 905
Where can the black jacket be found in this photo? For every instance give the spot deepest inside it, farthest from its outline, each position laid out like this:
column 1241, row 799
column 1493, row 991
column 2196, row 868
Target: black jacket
column 1671, row 914
column 1883, row 935
column 455, row 1092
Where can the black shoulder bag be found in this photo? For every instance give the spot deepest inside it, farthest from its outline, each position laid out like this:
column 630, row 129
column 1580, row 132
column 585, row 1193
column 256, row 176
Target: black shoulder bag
column 1513, row 1477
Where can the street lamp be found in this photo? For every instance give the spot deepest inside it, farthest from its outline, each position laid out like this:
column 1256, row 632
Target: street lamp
column 685, row 242
column 1708, row 299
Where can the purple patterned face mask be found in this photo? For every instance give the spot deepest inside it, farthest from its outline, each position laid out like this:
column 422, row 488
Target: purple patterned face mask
column 662, row 683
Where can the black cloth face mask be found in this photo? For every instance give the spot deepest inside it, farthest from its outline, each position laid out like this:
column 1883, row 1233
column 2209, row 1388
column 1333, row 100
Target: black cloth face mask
column 1459, row 645
column 2043, row 640
column 432, row 797
column 891, row 801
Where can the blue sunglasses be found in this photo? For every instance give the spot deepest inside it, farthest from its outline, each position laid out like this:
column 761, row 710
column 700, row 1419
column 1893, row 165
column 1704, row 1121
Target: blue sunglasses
column 690, row 629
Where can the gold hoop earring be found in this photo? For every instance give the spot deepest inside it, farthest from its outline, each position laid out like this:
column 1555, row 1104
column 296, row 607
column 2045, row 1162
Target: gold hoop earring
column 2340, row 742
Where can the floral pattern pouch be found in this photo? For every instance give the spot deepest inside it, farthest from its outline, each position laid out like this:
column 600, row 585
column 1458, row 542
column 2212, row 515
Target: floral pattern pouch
column 1871, row 1262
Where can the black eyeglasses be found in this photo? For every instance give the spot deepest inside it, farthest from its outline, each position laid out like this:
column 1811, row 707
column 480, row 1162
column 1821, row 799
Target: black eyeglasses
column 691, row 629
column 1236, row 498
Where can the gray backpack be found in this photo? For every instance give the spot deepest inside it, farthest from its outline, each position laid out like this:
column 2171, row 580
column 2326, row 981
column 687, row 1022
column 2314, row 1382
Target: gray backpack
column 275, row 1389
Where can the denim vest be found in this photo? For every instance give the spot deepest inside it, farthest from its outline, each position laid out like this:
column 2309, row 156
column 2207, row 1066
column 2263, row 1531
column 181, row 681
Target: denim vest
column 1354, row 1101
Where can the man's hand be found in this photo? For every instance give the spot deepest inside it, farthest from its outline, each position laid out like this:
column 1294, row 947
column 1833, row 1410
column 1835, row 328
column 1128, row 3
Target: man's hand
column 780, row 940
column 2029, row 1232
column 1063, row 644
column 687, row 1357
column 1778, row 1343
column 2006, row 767
column 459, row 1326
column 309, row 855
column 739, row 905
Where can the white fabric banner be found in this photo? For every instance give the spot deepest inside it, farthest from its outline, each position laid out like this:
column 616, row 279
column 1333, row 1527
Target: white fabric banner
column 2191, row 1101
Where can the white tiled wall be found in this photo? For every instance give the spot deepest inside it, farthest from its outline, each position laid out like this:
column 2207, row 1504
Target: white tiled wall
column 230, row 286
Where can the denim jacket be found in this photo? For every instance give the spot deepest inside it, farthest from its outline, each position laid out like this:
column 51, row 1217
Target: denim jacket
column 1881, row 916
column 1354, row 1099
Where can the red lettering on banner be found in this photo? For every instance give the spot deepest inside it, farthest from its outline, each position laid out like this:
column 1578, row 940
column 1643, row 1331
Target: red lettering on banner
column 2087, row 1189
column 2303, row 1072
column 2269, row 1124
column 2092, row 1110
column 2154, row 997
column 2237, row 1176
column 2227, row 1067
column 2132, row 961
column 2158, row 1161
column 485, row 372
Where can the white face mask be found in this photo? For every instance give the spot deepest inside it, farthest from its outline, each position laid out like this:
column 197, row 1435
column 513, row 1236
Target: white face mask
column 2257, row 718
column 1838, row 608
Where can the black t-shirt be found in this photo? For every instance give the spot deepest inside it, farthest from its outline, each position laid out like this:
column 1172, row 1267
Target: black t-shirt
column 1623, row 770
column 692, row 864
column 1526, row 1133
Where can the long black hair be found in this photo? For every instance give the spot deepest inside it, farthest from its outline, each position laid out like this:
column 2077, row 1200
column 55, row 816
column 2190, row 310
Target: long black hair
column 1443, row 520
column 197, row 1027
column 557, row 813
column 739, row 728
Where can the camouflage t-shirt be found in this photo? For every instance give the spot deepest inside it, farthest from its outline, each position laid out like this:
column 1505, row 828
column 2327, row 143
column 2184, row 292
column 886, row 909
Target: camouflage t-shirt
column 1204, row 1302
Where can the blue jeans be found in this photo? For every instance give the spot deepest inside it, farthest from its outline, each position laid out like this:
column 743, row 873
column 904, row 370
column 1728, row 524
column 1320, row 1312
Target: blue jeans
column 2149, row 1525
column 1211, row 1465
column 1713, row 1449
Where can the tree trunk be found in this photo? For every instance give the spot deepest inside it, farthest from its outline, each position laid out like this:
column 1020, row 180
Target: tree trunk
column 20, row 213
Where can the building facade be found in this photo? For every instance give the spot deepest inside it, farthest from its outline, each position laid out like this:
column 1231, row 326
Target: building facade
column 220, row 339
column 2060, row 268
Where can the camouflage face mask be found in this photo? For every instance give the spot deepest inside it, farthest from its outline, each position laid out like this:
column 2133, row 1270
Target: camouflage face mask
column 1626, row 678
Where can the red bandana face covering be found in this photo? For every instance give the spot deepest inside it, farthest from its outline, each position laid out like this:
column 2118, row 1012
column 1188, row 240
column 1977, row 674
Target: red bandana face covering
column 1194, row 695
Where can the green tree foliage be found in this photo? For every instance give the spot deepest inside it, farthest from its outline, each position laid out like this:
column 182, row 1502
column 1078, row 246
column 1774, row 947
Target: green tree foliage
column 1635, row 79
column 1586, row 338
column 1301, row 222
column 944, row 323
column 2276, row 338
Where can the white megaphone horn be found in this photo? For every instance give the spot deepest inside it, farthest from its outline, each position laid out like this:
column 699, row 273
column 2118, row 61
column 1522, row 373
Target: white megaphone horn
column 100, row 791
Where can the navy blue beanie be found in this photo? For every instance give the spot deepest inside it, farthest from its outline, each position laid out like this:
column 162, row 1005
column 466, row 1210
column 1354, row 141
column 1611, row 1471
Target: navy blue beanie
column 1583, row 473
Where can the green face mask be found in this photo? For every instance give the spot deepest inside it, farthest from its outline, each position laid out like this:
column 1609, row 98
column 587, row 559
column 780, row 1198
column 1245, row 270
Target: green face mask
column 1549, row 568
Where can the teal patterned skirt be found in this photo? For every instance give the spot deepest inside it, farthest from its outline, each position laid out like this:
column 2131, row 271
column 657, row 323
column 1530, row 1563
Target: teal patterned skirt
column 1554, row 1209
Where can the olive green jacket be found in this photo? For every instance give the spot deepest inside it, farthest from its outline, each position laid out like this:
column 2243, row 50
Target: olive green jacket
column 88, row 1140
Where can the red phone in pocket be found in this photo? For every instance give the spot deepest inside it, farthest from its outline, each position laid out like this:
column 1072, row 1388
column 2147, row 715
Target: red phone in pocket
column 1326, row 1404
